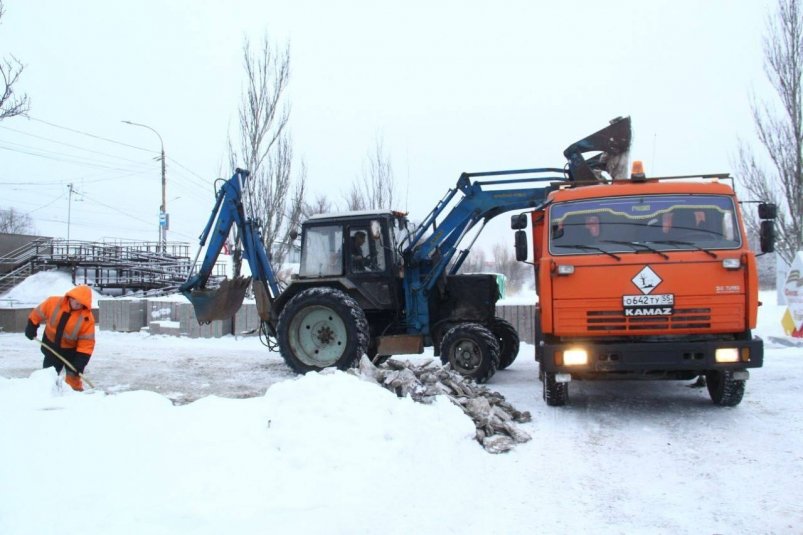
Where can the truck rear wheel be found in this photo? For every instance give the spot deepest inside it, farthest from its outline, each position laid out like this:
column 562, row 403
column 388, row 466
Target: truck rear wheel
column 555, row 394
column 320, row 328
column 508, row 341
column 724, row 389
column 472, row 350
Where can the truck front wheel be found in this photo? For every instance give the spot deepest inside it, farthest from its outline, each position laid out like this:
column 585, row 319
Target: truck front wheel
column 724, row 389
column 472, row 350
column 320, row 328
column 555, row 394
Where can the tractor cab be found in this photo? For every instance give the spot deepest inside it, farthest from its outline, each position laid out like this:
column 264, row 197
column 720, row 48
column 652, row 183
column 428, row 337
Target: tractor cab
column 359, row 249
column 350, row 243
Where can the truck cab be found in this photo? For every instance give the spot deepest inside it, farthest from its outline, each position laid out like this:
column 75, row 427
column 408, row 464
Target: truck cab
column 645, row 279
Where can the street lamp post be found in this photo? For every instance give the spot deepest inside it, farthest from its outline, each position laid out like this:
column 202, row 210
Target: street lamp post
column 163, row 218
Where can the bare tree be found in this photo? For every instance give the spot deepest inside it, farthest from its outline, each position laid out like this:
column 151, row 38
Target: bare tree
column 780, row 131
column 10, row 70
column 474, row 262
column 376, row 187
column 320, row 205
column 13, row 222
column 517, row 273
column 275, row 190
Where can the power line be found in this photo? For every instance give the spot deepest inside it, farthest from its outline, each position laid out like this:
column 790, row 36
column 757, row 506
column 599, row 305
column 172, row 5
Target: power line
column 68, row 144
column 202, row 180
column 74, row 130
column 46, row 205
column 68, row 160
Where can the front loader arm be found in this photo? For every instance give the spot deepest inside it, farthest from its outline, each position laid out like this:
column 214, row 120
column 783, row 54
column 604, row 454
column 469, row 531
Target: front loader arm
column 428, row 256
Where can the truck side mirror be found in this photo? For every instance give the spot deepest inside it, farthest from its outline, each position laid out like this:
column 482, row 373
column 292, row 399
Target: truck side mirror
column 767, row 210
column 767, row 236
column 518, row 221
column 521, row 245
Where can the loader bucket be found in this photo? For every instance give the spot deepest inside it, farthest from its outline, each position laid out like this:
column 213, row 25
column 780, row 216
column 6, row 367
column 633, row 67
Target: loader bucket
column 613, row 142
column 221, row 303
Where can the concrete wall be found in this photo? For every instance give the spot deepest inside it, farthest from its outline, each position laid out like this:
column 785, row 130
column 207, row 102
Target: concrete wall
column 14, row 320
column 178, row 319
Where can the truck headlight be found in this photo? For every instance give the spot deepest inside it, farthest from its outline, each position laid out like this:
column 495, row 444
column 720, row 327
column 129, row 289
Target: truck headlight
column 575, row 357
column 726, row 354
column 732, row 263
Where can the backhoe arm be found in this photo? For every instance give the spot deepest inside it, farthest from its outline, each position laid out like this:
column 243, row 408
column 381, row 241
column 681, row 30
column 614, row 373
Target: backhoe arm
column 224, row 301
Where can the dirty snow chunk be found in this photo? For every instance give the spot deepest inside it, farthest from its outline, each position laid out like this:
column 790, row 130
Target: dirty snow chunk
column 494, row 418
column 497, row 444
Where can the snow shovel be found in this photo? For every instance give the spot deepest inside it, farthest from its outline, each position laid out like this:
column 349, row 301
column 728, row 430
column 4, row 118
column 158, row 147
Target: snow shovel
column 65, row 361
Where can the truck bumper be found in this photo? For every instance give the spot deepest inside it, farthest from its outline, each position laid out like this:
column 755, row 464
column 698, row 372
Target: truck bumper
column 650, row 360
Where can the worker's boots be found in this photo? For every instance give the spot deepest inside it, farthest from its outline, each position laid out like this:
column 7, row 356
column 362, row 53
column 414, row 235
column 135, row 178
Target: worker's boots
column 75, row 382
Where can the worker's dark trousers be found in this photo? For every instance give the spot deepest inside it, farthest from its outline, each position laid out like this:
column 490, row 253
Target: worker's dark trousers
column 52, row 360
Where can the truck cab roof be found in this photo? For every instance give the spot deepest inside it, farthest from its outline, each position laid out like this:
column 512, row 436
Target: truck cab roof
column 646, row 187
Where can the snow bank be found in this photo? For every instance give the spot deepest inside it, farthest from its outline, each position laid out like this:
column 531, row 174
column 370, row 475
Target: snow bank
column 327, row 444
column 39, row 286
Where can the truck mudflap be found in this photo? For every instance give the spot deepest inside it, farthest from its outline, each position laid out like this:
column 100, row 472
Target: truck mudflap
column 649, row 360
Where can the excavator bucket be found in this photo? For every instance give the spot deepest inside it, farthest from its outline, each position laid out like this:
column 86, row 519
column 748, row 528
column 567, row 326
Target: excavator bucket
column 613, row 145
column 220, row 303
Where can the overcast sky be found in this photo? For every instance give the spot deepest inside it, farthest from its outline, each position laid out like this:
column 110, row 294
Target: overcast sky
column 449, row 87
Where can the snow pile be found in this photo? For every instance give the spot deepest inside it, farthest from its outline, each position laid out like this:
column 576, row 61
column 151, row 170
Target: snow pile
column 133, row 462
column 38, row 287
column 493, row 417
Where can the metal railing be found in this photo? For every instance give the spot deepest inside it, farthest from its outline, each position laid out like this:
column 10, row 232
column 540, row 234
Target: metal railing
column 123, row 265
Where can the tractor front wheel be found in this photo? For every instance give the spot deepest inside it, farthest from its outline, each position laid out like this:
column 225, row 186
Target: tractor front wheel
column 472, row 350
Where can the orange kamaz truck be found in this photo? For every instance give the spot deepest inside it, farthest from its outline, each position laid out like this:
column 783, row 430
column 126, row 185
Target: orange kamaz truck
column 645, row 278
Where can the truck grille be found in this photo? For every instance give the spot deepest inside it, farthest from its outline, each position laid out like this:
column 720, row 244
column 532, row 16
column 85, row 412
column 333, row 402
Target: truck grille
column 615, row 320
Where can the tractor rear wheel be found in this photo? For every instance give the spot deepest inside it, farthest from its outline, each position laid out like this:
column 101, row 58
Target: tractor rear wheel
column 321, row 328
column 472, row 350
column 508, row 339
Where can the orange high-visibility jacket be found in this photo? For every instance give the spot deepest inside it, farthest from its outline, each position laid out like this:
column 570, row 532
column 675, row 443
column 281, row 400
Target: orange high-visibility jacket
column 79, row 332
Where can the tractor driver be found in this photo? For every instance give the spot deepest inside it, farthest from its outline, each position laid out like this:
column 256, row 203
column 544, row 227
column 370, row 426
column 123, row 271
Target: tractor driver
column 357, row 252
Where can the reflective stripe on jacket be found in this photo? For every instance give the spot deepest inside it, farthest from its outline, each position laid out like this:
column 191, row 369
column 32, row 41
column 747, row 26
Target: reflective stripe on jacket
column 79, row 331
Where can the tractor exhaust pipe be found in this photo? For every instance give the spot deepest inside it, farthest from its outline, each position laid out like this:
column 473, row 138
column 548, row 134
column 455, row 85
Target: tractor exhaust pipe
column 613, row 143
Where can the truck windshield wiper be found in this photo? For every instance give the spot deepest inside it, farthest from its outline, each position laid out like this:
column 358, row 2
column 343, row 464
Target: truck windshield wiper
column 589, row 248
column 688, row 243
column 635, row 244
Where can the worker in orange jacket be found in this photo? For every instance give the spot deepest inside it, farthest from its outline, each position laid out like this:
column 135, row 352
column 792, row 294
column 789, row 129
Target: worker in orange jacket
column 69, row 330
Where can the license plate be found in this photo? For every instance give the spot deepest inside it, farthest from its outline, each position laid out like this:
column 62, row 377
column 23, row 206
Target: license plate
column 648, row 300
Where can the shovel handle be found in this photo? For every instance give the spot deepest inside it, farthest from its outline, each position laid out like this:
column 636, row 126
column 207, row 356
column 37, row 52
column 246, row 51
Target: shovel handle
column 65, row 361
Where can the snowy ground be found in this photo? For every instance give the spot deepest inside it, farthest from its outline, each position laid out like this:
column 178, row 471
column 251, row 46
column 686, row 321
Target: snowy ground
column 166, row 445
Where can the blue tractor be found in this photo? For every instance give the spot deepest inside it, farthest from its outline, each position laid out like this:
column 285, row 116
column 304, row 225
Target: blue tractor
column 371, row 283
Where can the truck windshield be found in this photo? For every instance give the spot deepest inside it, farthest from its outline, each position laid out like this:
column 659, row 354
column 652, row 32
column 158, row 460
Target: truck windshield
column 644, row 223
